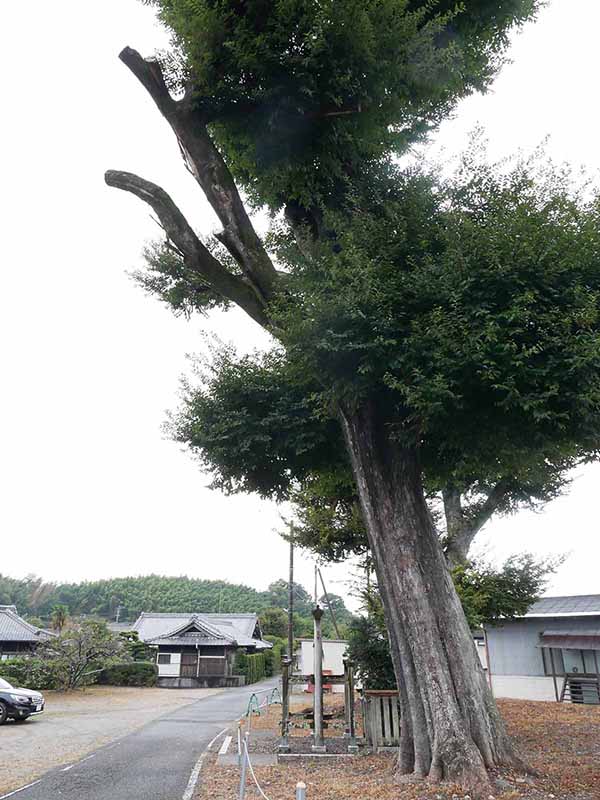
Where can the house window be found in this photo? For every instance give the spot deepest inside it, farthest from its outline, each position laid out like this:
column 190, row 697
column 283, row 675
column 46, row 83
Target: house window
column 164, row 658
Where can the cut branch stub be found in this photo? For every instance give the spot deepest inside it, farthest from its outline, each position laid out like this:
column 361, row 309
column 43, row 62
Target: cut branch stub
column 196, row 256
column 210, row 170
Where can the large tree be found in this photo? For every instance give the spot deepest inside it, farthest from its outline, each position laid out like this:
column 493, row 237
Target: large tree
column 448, row 334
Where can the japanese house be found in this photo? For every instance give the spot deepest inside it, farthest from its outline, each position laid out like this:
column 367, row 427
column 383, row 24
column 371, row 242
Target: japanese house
column 199, row 649
column 17, row 637
column 551, row 653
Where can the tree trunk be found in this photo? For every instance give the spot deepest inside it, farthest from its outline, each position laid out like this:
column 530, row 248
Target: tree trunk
column 451, row 728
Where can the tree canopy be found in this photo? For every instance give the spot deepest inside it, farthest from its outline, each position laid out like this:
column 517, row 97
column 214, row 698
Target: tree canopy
column 465, row 310
column 444, row 332
column 299, row 93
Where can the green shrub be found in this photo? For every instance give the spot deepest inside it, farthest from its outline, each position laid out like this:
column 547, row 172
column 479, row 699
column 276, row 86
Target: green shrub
column 273, row 656
column 253, row 667
column 132, row 673
column 31, row 673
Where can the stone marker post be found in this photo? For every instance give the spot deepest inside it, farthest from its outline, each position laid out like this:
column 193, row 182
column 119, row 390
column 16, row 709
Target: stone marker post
column 318, row 743
column 286, row 667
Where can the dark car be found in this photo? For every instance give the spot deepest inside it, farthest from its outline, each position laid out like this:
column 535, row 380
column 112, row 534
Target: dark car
column 18, row 704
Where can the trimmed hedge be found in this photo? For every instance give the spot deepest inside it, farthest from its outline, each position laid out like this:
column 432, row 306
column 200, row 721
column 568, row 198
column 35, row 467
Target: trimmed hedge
column 30, row 673
column 253, row 667
column 273, row 657
column 132, row 673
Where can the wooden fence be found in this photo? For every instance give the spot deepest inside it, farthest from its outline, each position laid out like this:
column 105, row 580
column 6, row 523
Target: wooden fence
column 381, row 714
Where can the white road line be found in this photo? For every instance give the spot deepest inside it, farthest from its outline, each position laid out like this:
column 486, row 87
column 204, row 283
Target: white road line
column 66, row 769
column 225, row 745
column 212, row 741
column 16, row 791
column 189, row 791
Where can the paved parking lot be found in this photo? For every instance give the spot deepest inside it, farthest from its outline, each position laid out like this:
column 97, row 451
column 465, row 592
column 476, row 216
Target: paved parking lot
column 77, row 723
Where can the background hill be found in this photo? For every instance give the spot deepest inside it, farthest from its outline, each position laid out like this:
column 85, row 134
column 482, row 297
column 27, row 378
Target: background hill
column 127, row 597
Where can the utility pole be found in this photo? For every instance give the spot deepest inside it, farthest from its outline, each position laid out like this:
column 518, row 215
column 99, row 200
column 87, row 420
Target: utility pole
column 291, row 598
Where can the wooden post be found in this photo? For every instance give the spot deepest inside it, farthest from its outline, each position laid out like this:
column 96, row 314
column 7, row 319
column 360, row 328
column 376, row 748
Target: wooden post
column 284, row 744
column 553, row 674
column 346, row 700
column 318, row 741
column 350, row 732
column 487, row 660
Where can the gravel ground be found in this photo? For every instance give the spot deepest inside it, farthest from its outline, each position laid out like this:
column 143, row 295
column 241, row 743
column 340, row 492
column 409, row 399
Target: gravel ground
column 78, row 723
column 560, row 741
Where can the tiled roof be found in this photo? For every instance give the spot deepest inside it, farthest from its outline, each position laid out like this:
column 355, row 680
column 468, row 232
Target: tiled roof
column 14, row 629
column 231, row 627
column 569, row 606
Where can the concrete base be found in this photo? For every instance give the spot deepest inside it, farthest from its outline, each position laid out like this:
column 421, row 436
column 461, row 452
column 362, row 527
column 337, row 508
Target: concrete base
column 525, row 687
column 318, row 748
column 257, row 759
column 203, row 682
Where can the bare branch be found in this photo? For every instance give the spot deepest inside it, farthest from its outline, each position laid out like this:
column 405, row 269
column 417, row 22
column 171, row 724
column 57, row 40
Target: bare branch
column 196, row 256
column 210, row 170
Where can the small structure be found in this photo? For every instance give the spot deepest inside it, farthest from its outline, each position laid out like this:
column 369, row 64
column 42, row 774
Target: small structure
column 333, row 663
column 381, row 715
column 310, row 656
column 17, row 637
column 551, row 653
column 194, row 650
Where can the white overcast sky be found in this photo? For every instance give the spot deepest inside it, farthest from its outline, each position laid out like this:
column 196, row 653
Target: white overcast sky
column 89, row 486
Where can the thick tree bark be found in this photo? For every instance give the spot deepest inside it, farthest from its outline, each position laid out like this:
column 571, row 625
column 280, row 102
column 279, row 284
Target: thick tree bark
column 452, row 729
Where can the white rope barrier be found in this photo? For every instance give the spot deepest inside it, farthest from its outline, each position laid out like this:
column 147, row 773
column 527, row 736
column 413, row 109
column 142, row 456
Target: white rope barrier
column 247, row 755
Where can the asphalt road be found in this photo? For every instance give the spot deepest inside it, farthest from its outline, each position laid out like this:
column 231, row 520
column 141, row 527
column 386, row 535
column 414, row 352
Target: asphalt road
column 154, row 763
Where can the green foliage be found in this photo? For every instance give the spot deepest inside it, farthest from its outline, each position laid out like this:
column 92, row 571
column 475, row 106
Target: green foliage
column 274, row 655
column 488, row 596
column 32, row 673
column 253, row 667
column 465, row 312
column 243, row 405
column 274, row 622
column 369, row 650
column 138, row 651
column 169, row 278
column 27, row 594
column 137, row 673
column 329, row 520
column 299, row 92
column 491, row 595
column 80, row 652
column 278, row 596
column 59, row 616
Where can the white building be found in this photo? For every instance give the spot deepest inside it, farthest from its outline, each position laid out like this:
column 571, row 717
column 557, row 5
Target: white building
column 551, row 650
column 333, row 661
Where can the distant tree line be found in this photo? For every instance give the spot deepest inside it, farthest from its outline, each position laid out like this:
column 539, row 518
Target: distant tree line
column 126, row 598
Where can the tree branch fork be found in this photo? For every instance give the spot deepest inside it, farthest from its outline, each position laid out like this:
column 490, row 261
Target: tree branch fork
column 257, row 284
